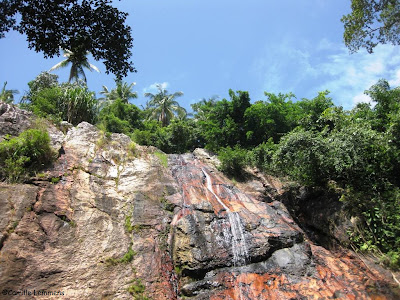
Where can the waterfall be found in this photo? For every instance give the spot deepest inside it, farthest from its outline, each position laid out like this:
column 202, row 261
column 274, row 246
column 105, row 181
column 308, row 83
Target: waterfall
column 236, row 234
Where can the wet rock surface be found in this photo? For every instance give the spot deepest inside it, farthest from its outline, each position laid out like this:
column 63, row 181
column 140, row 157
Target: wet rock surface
column 108, row 215
column 260, row 253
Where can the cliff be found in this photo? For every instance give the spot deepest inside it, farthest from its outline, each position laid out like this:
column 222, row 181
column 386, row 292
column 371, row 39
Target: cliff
column 114, row 220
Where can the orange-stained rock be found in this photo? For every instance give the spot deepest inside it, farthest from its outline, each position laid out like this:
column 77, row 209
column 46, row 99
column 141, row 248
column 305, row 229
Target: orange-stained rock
column 277, row 262
column 186, row 231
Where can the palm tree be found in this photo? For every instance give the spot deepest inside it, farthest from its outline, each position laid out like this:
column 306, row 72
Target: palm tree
column 122, row 91
column 78, row 62
column 7, row 95
column 202, row 107
column 163, row 107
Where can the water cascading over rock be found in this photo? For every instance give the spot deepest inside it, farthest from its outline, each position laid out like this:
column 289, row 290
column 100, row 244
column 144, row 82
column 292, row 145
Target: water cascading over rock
column 236, row 247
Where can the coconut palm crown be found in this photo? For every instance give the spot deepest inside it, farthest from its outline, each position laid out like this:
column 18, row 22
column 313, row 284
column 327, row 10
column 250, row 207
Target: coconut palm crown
column 163, row 107
column 78, row 61
column 122, row 91
column 7, row 95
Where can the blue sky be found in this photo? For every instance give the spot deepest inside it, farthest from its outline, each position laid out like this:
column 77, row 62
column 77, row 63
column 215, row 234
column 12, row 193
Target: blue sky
column 204, row 48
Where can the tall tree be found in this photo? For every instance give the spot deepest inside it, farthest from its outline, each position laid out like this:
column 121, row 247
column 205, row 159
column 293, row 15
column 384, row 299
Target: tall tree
column 370, row 23
column 83, row 26
column 78, row 62
column 122, row 91
column 163, row 106
column 7, row 95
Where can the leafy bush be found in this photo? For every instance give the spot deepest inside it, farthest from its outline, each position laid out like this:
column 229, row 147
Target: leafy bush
column 362, row 162
column 379, row 212
column 261, row 156
column 358, row 156
column 44, row 80
column 69, row 102
column 232, row 160
column 301, row 155
column 120, row 117
column 179, row 136
column 46, row 103
column 19, row 156
column 78, row 105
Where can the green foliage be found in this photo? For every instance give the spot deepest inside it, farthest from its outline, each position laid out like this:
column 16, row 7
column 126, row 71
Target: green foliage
column 132, row 151
column 163, row 107
column 120, row 117
column 162, row 157
column 149, row 135
column 311, row 110
column 387, row 104
column 261, row 155
column 358, row 155
column 178, row 270
column 371, row 23
column 122, row 91
column 7, row 96
column 359, row 151
column 127, row 258
column 179, row 136
column 137, row 290
column 44, row 80
column 70, row 102
column 92, row 26
column 221, row 124
column 301, row 155
column 232, row 160
column 79, row 104
column 22, row 155
column 45, row 103
column 78, row 62
column 55, row 180
column 128, row 224
column 270, row 119
column 379, row 209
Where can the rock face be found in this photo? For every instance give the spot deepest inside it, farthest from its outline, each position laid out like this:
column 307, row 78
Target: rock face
column 237, row 247
column 110, row 220
column 95, row 231
column 13, row 120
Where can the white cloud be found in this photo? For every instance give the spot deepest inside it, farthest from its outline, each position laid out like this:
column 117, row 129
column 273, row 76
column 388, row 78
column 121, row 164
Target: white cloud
column 325, row 44
column 348, row 76
column 306, row 69
column 375, row 67
column 152, row 88
column 281, row 68
column 361, row 98
column 395, row 81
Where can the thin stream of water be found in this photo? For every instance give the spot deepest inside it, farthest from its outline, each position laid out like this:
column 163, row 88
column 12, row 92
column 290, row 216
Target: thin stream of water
column 236, row 234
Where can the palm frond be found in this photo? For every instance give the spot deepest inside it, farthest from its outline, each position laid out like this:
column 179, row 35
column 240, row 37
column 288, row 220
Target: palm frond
column 61, row 64
column 94, row 68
